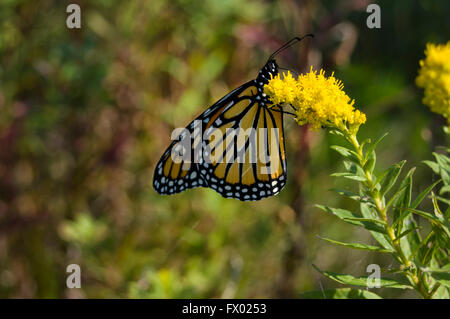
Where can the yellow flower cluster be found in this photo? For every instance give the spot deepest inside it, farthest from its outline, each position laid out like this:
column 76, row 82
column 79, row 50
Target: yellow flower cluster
column 434, row 77
column 318, row 100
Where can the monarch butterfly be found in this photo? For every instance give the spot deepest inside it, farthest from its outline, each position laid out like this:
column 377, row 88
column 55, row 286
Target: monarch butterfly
column 245, row 174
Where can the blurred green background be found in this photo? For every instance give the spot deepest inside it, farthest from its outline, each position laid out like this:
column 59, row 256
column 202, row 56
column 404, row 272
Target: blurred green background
column 86, row 113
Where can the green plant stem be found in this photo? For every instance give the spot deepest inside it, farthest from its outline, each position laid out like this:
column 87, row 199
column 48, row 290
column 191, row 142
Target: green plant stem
column 416, row 278
column 435, row 288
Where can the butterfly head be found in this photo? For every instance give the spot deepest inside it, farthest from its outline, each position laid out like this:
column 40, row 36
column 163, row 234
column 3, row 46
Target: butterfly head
column 267, row 72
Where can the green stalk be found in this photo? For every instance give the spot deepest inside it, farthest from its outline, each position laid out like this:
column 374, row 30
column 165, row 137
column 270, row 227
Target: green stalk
column 416, row 278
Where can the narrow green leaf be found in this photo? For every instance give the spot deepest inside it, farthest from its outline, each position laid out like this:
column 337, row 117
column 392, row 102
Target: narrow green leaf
column 442, row 237
column 444, row 200
column 422, row 243
column 349, row 176
column 372, row 146
column 370, row 164
column 352, row 195
column 390, row 177
column 354, row 168
column 422, row 195
column 362, row 281
column 442, row 293
column 445, row 189
column 336, row 132
column 347, row 193
column 437, row 210
column 406, row 232
column 427, row 252
column 340, row 293
column 352, row 218
column 441, row 275
column 433, row 165
column 426, row 215
column 382, row 238
column 442, row 224
column 367, row 141
column 445, row 268
column 403, row 231
column 358, row 246
column 445, row 175
column 402, row 198
column 370, row 220
column 443, row 161
column 345, row 152
column 396, row 196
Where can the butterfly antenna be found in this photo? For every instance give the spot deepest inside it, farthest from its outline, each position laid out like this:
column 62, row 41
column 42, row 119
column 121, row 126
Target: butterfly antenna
column 289, row 44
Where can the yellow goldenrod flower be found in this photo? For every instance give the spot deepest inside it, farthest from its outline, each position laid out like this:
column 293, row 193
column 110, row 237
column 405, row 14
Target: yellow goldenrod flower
column 282, row 90
column 434, row 77
column 317, row 99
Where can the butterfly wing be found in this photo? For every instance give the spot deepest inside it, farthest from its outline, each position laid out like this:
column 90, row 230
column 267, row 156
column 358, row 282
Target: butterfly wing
column 246, row 160
column 257, row 168
column 175, row 173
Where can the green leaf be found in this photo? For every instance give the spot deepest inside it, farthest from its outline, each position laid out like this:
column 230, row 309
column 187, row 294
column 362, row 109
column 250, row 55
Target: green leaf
column 445, row 189
column 362, row 281
column 349, row 176
column 406, row 187
column 358, row 246
column 422, row 195
column 352, row 218
column 410, row 237
column 339, row 212
column 442, row 293
column 443, row 161
column 426, row 215
column 340, row 293
column 380, row 237
column 433, row 165
column 352, row 195
column 442, row 238
column 336, row 132
column 444, row 223
column 370, row 220
column 390, row 176
column 404, row 229
column 445, row 176
column 441, row 275
column 437, row 210
column 395, row 197
column 423, row 243
column 370, row 164
column 427, row 251
column 363, row 143
column 403, row 222
column 435, row 220
column 406, row 232
column 345, row 152
column 354, row 168
column 372, row 146
column 444, row 200
column 347, row 193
